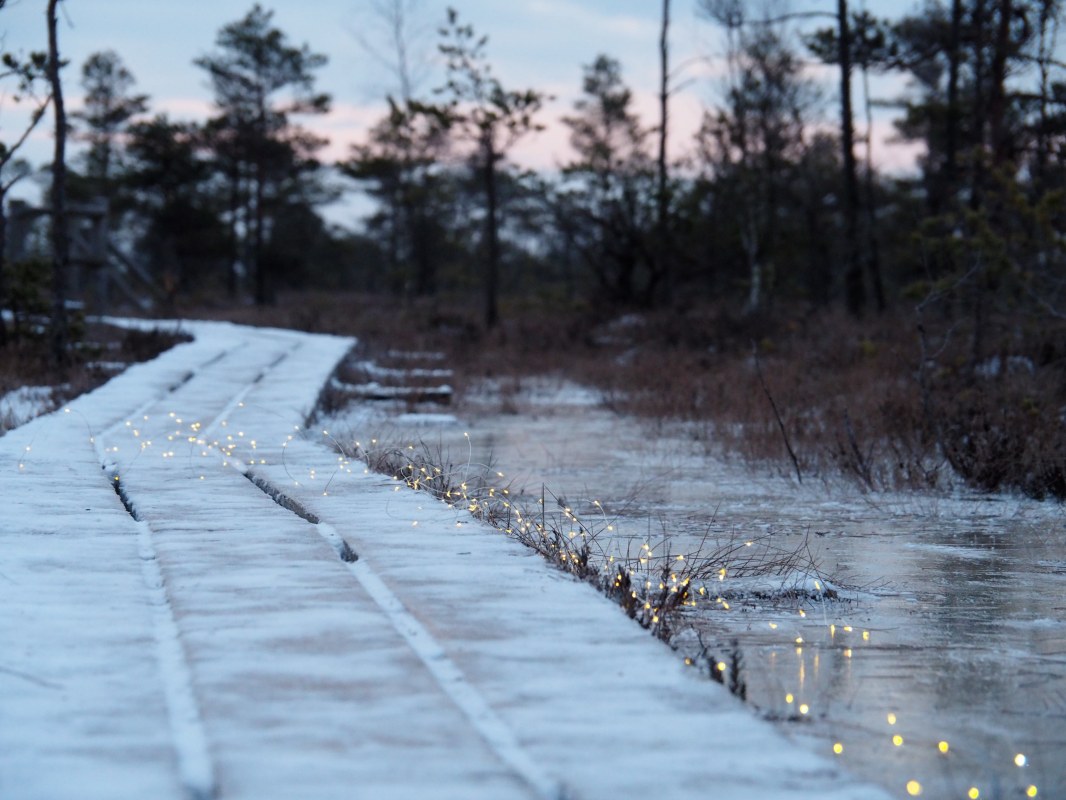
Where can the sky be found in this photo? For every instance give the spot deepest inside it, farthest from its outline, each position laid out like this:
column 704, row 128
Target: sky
column 539, row 44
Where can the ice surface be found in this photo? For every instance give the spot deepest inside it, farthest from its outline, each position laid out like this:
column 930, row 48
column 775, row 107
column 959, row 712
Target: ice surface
column 217, row 644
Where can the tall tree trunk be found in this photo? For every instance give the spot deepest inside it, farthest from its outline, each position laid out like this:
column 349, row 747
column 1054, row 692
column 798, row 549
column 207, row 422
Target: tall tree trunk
column 951, row 148
column 819, row 259
column 980, row 116
column 60, row 245
column 397, row 221
column 999, row 147
column 997, row 103
column 492, row 265
column 262, row 286
column 263, row 280
column 421, row 250
column 854, row 286
column 234, row 239
column 3, row 265
column 873, row 256
column 749, row 241
column 1047, row 26
column 663, row 244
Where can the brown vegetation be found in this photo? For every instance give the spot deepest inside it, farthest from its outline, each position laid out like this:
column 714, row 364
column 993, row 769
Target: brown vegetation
column 655, row 586
column 889, row 402
column 895, row 401
column 100, row 351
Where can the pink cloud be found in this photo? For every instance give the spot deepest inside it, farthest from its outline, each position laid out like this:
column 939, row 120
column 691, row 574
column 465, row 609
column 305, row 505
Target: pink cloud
column 346, row 124
column 549, row 149
column 182, row 108
column 890, row 153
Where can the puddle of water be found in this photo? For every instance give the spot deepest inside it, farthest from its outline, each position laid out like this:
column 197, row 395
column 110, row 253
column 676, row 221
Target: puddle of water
column 947, row 666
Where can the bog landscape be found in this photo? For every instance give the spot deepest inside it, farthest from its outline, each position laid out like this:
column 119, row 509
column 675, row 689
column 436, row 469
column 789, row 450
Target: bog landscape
column 695, row 429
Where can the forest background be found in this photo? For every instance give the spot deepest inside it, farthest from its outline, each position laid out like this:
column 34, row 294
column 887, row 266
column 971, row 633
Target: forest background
column 903, row 329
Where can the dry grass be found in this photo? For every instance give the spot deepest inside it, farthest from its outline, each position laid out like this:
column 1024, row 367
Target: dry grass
column 890, row 402
column 654, row 585
column 840, row 397
column 100, row 352
column 870, row 401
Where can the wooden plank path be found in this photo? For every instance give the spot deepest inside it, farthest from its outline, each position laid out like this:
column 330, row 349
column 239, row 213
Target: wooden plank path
column 315, row 633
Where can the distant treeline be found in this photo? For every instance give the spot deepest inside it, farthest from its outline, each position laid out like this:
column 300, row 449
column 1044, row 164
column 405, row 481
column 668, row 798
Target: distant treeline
column 906, row 324
column 776, row 202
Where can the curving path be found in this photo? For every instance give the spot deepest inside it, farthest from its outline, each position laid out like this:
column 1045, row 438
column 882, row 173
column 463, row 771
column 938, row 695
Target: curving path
column 245, row 618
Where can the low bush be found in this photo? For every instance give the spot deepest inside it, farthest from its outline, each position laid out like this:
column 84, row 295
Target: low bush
column 896, row 401
column 655, row 586
column 98, row 352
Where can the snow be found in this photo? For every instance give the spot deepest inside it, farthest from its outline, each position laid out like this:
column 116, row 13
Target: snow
column 212, row 642
column 415, row 355
column 539, row 391
column 386, row 373
column 19, row 406
column 379, row 391
column 425, row 420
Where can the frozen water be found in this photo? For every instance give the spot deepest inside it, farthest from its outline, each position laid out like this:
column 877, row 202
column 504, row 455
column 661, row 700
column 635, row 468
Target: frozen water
column 956, row 625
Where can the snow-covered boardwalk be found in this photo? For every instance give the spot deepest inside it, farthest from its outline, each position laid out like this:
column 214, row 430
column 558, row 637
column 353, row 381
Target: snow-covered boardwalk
column 204, row 635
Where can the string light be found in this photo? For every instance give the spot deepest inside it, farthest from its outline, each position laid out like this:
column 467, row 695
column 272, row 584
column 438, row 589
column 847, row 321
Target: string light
column 421, row 477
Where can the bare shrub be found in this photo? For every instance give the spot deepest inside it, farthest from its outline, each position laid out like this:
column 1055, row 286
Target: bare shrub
column 1000, row 434
column 653, row 586
column 861, row 399
column 846, row 399
column 99, row 349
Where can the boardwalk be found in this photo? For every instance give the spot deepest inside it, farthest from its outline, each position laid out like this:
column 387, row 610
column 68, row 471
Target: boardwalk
column 249, row 619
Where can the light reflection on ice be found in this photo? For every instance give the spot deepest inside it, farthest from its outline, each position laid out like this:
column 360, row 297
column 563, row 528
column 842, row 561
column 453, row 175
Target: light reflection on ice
column 953, row 631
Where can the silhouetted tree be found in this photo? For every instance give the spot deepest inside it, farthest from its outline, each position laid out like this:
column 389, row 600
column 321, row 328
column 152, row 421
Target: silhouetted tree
column 854, row 288
column 108, row 108
column 664, row 244
column 396, row 41
column 60, row 245
column 260, row 82
column 752, row 143
column 400, row 165
column 491, row 118
column 173, row 184
column 26, row 74
column 855, row 40
column 607, row 203
column 983, row 255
